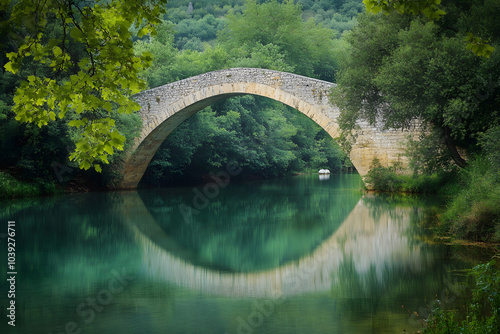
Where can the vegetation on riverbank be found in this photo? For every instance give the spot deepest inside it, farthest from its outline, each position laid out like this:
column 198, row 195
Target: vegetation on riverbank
column 390, row 179
column 481, row 311
column 10, row 187
column 473, row 213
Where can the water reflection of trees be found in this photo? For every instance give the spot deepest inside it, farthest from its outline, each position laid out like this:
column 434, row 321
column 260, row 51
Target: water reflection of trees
column 254, row 226
column 64, row 235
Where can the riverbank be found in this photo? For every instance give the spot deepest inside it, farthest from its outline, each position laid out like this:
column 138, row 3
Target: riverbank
column 11, row 187
column 477, row 305
column 472, row 195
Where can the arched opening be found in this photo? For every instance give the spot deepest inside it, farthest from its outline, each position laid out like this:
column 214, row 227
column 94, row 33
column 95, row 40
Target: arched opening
column 265, row 138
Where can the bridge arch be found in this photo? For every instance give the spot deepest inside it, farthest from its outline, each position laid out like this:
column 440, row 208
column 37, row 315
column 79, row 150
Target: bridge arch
column 164, row 108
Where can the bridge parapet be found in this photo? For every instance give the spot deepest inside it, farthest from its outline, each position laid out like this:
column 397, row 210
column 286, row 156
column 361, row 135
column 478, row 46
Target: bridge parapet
column 307, row 89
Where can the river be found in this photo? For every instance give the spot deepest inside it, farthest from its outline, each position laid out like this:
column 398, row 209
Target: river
column 292, row 255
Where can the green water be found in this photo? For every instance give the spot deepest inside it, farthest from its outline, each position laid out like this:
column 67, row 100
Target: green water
column 294, row 255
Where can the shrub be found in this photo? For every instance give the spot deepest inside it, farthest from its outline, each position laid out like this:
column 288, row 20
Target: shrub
column 10, row 187
column 481, row 315
column 474, row 212
column 387, row 179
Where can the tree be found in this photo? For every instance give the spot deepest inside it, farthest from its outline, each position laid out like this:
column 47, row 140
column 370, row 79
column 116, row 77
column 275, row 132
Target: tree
column 433, row 11
column 85, row 66
column 429, row 8
column 403, row 69
column 307, row 47
column 161, row 46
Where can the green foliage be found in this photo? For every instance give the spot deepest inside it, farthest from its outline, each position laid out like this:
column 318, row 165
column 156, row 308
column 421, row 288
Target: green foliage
column 444, row 97
column 262, row 56
column 401, row 69
column 474, row 213
column 482, row 315
column 11, row 187
column 90, row 84
column 430, row 8
column 490, row 143
column 161, row 46
column 478, row 45
column 390, row 179
column 428, row 154
column 305, row 46
column 203, row 30
column 339, row 15
column 31, row 150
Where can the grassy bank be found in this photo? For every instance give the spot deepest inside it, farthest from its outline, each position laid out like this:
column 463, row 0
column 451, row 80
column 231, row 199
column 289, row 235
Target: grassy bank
column 388, row 179
column 474, row 212
column 11, row 187
column 480, row 312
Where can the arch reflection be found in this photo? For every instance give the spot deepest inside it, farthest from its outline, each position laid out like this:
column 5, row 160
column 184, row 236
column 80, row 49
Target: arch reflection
column 324, row 177
column 370, row 241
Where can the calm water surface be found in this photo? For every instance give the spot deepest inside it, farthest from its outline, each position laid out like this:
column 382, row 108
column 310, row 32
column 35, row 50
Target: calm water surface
column 294, row 255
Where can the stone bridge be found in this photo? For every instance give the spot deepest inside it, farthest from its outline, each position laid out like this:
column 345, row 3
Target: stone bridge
column 165, row 107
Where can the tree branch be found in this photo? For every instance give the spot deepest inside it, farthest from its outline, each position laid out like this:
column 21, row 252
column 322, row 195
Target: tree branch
column 461, row 162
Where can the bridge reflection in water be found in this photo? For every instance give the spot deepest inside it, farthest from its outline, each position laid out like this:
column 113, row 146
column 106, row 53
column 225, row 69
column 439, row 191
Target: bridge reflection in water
column 371, row 240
